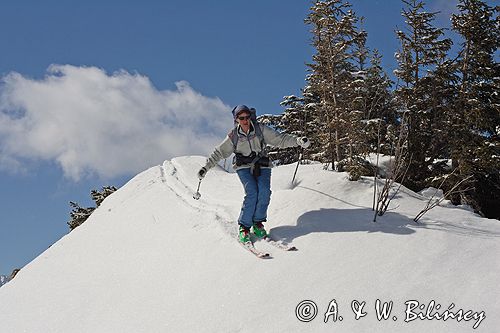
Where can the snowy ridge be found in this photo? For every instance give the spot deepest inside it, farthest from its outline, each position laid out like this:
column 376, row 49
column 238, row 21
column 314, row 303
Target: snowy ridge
column 191, row 275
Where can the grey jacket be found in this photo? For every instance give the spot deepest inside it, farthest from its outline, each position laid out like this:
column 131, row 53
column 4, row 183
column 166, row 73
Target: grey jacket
column 248, row 143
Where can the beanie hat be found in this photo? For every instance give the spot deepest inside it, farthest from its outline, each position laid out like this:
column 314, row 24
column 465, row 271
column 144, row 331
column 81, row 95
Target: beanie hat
column 239, row 109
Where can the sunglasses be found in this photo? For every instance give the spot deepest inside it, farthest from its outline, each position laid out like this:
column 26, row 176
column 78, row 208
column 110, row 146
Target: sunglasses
column 244, row 117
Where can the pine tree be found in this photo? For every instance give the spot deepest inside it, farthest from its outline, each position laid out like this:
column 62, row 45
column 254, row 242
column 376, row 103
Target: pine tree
column 298, row 119
column 356, row 140
column 422, row 50
column 379, row 111
column 371, row 109
column 287, row 122
column 293, row 116
column 99, row 197
column 475, row 124
column 334, row 37
column 294, row 122
column 313, row 126
column 79, row 214
column 442, row 99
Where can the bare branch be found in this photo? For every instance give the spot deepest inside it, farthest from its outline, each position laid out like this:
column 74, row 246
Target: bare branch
column 397, row 171
column 433, row 203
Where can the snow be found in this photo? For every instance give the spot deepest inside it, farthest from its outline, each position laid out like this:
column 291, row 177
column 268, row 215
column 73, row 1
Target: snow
column 153, row 259
column 432, row 193
column 384, row 162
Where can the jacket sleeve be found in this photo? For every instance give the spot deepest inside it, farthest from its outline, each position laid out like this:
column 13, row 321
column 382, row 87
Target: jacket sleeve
column 223, row 150
column 276, row 139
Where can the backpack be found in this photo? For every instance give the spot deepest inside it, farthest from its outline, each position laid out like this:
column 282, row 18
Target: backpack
column 253, row 118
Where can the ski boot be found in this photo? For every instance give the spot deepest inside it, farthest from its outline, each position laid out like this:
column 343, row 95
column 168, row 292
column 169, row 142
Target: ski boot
column 244, row 234
column 259, row 230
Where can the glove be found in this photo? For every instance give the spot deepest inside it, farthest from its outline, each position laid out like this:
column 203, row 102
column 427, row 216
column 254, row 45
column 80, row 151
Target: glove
column 202, row 173
column 303, row 142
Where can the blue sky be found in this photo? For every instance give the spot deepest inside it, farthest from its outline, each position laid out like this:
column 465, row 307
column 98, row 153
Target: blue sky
column 99, row 90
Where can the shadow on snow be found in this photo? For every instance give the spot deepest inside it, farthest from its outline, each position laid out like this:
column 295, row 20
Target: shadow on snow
column 343, row 220
column 360, row 219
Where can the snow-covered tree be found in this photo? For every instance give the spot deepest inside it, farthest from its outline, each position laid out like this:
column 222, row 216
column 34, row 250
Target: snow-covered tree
column 99, row 197
column 356, row 139
column 298, row 119
column 290, row 121
column 379, row 110
column 335, row 37
column 475, row 143
column 423, row 49
column 79, row 214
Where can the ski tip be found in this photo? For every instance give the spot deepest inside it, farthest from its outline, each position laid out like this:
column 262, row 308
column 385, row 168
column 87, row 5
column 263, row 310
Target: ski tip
column 264, row 256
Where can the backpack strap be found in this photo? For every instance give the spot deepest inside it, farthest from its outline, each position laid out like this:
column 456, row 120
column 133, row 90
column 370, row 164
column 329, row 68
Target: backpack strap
column 258, row 131
column 233, row 135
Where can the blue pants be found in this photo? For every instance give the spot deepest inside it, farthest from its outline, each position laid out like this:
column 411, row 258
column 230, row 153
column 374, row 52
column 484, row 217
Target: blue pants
column 257, row 196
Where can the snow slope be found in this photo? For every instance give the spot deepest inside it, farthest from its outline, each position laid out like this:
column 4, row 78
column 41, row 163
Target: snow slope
column 152, row 259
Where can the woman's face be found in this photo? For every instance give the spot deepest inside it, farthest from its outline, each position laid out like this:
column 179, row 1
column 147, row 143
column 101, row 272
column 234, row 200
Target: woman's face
column 243, row 119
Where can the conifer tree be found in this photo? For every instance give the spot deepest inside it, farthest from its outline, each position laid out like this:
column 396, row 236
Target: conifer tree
column 311, row 102
column 287, row 122
column 334, row 37
column 441, row 101
column 294, row 119
column 298, row 119
column 379, row 110
column 99, row 197
column 422, row 50
column 80, row 214
column 475, row 145
column 356, row 140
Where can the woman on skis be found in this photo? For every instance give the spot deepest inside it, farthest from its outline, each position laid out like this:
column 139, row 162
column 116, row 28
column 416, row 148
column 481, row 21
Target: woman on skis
column 248, row 141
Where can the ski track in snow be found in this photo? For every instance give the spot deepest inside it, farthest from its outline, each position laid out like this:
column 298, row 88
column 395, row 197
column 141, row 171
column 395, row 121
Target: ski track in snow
column 225, row 219
column 183, row 192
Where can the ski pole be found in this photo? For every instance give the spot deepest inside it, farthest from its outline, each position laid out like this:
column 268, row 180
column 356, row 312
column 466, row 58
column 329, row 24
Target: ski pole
column 197, row 195
column 301, row 149
column 297, row 167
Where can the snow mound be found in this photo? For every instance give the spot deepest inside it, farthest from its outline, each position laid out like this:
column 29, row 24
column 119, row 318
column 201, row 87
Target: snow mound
column 153, row 259
column 432, row 193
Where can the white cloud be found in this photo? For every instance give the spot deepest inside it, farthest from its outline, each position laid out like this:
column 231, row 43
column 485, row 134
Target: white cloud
column 90, row 122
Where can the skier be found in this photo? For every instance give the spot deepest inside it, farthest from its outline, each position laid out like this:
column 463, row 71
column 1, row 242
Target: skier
column 248, row 141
